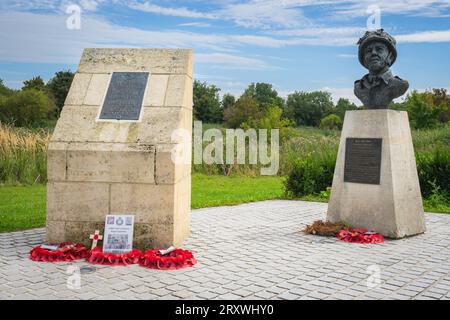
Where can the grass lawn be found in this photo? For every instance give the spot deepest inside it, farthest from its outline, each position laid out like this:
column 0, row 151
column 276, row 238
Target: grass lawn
column 211, row 191
column 24, row 207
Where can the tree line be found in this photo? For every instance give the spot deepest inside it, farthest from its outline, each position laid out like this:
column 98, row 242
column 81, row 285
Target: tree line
column 37, row 102
column 259, row 106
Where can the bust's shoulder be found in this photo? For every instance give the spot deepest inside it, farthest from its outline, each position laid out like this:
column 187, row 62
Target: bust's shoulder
column 399, row 82
column 398, row 85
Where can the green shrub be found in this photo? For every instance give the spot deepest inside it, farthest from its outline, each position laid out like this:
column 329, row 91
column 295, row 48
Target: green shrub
column 311, row 175
column 26, row 108
column 434, row 171
column 438, row 201
column 332, row 122
column 422, row 111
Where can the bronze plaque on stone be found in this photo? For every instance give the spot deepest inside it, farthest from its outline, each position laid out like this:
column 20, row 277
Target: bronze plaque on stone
column 124, row 97
column 363, row 160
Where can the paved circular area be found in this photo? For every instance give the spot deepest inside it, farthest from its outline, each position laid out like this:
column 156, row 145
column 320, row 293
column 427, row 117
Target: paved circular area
column 250, row 251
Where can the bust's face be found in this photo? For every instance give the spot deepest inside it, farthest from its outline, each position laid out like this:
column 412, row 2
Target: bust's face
column 376, row 55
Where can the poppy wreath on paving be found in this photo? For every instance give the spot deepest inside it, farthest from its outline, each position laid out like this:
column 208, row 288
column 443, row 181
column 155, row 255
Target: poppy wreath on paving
column 176, row 259
column 67, row 251
column 97, row 256
column 360, row 236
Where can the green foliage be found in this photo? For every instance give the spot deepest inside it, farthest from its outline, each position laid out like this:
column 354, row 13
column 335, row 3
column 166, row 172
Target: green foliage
column 207, row 105
column 434, row 171
column 35, row 83
column 308, row 108
column 4, row 90
column 245, row 108
column 438, row 200
column 332, row 122
column 342, row 106
column 228, row 101
column 272, row 119
column 264, row 94
column 423, row 113
column 311, row 175
column 258, row 107
column 59, row 86
column 26, row 108
column 442, row 98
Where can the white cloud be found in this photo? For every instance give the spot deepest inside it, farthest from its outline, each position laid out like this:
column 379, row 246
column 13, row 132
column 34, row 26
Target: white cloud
column 347, row 56
column 426, row 36
column 44, row 38
column 233, row 61
column 177, row 12
column 195, row 24
column 358, row 8
column 288, row 14
column 251, row 14
column 50, row 5
column 264, row 14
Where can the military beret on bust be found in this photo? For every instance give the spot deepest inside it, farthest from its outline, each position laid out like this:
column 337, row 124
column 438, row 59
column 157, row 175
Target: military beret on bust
column 378, row 35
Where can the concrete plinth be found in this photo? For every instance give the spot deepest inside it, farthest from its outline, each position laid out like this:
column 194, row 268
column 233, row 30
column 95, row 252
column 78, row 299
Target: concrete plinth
column 96, row 168
column 393, row 207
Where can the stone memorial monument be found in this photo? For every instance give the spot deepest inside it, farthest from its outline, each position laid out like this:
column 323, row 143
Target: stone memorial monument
column 375, row 183
column 111, row 149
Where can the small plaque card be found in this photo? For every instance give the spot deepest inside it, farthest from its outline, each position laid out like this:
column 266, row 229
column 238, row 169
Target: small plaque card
column 50, row 247
column 167, row 251
column 118, row 236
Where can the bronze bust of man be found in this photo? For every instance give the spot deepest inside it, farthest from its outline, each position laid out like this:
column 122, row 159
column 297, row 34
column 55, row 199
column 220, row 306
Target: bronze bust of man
column 377, row 89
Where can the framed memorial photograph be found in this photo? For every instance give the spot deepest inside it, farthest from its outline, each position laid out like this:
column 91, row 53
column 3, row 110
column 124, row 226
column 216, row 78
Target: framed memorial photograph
column 118, row 236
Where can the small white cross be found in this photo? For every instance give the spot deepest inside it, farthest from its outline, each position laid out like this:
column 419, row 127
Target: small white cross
column 95, row 237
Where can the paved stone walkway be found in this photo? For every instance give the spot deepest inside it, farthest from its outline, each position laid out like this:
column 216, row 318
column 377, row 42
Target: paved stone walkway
column 250, row 251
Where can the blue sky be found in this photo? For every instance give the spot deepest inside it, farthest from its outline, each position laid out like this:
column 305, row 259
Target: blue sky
column 299, row 45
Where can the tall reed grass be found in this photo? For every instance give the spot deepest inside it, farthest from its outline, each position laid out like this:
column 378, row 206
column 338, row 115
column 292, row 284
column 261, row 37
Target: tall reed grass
column 23, row 155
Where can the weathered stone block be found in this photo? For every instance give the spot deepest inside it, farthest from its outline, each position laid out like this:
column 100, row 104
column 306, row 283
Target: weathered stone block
column 56, row 231
column 79, row 231
column 56, row 161
column 78, row 89
column 149, row 203
column 97, row 89
column 165, row 61
column 156, row 90
column 77, row 201
column 107, row 162
column 169, row 171
column 78, row 124
column 177, row 95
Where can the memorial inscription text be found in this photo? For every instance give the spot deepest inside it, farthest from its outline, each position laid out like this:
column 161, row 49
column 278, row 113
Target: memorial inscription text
column 124, row 97
column 362, row 160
